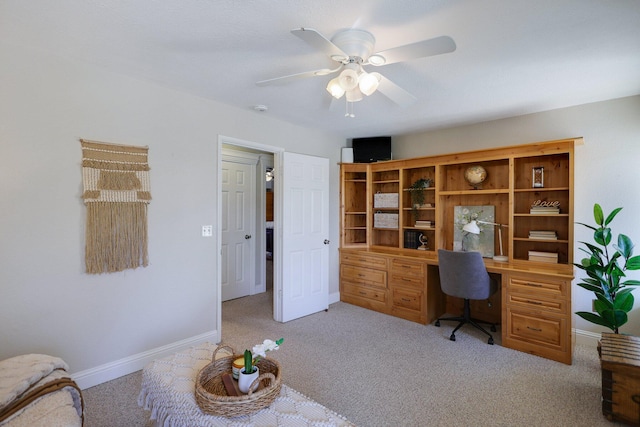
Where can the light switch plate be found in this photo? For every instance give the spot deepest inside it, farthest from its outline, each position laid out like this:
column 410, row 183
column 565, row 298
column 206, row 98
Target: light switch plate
column 207, row 230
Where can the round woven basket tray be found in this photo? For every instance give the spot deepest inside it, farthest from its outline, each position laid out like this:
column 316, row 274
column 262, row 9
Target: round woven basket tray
column 211, row 394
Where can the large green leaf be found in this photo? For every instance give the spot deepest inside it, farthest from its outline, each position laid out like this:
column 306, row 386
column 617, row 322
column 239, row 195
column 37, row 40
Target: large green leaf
column 587, row 225
column 603, row 303
column 625, row 246
column 623, row 302
column 633, row 263
column 593, row 288
column 612, row 215
column 597, row 214
column 594, row 318
column 630, row 283
column 602, row 236
column 615, row 318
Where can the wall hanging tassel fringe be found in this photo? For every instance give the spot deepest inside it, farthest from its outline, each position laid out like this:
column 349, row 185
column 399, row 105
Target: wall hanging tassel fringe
column 116, row 193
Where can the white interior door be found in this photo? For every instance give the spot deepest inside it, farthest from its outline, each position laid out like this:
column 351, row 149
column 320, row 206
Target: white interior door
column 305, row 244
column 237, row 229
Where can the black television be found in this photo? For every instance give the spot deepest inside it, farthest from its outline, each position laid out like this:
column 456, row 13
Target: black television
column 372, row 149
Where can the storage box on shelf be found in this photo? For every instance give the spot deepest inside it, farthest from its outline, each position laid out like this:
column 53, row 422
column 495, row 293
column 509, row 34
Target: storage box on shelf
column 385, row 226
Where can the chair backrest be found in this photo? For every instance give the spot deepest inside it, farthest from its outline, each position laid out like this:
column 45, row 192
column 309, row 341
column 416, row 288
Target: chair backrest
column 464, row 275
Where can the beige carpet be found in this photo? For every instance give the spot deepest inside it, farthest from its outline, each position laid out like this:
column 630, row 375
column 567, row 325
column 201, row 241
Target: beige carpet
column 378, row 370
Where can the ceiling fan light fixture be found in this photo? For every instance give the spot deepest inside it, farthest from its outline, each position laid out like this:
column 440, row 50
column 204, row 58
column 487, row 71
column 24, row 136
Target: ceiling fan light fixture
column 348, row 79
column 334, row 88
column 368, row 82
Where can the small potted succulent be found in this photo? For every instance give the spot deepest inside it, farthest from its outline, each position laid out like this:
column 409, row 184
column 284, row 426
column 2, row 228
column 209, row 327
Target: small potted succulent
column 251, row 372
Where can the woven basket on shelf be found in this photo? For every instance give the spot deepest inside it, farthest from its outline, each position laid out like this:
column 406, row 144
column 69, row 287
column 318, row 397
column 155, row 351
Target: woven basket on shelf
column 211, row 394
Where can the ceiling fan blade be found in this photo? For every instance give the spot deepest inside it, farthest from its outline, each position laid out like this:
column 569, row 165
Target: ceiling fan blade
column 319, row 41
column 436, row 46
column 395, row 92
column 292, row 77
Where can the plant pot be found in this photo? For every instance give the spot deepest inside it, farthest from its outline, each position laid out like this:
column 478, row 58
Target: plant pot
column 245, row 380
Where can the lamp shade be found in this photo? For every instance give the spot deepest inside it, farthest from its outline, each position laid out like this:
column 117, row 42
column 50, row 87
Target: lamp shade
column 348, row 79
column 471, row 227
column 368, row 82
column 335, row 89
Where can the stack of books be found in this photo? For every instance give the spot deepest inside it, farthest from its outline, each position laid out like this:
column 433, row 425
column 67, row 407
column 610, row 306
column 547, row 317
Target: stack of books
column 423, row 224
column 411, row 239
column 538, row 256
column 543, row 235
column 545, row 210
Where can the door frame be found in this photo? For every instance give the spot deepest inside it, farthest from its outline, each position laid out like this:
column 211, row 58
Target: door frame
column 277, row 217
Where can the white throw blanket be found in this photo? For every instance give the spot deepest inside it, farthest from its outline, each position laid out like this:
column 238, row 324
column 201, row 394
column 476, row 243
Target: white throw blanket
column 36, row 389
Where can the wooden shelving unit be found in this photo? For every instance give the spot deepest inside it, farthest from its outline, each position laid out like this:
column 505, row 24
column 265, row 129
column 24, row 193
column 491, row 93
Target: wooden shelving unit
column 391, row 232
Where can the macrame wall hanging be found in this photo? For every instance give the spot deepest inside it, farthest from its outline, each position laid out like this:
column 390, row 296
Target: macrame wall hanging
column 116, row 194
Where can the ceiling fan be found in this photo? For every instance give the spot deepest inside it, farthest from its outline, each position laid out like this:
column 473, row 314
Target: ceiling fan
column 353, row 49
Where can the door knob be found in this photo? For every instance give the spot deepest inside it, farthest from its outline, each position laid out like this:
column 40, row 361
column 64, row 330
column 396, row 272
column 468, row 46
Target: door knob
column 247, row 236
column 326, row 241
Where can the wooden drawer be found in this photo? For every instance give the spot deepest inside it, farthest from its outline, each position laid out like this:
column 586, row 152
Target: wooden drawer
column 407, row 298
column 405, row 267
column 534, row 328
column 407, row 281
column 363, row 276
column 364, row 260
column 533, row 302
column 364, row 292
column 539, row 286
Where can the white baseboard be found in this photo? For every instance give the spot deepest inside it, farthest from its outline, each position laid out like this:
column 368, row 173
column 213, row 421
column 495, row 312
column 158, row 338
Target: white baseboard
column 586, row 338
column 334, row 297
column 118, row 368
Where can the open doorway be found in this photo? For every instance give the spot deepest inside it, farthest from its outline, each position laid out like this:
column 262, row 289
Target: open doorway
column 265, row 269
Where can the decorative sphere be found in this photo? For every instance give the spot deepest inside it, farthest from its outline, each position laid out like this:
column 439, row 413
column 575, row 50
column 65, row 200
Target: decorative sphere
column 475, row 175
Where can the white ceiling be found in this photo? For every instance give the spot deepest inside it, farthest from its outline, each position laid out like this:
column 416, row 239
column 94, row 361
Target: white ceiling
column 513, row 57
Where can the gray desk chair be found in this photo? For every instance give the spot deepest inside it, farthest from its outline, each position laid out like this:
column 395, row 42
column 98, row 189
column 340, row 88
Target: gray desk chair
column 464, row 275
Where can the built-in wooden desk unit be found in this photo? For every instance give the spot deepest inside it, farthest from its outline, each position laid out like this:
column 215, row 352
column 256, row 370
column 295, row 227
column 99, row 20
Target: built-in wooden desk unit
column 382, row 269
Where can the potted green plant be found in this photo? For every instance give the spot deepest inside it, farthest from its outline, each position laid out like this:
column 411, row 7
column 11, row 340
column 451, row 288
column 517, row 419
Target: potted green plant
column 251, row 372
column 605, row 269
column 417, row 193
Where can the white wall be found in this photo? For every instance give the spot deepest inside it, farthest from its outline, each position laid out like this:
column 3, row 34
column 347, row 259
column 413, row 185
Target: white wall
column 606, row 168
column 47, row 303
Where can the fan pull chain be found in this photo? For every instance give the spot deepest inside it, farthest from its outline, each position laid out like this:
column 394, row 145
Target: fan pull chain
column 349, row 111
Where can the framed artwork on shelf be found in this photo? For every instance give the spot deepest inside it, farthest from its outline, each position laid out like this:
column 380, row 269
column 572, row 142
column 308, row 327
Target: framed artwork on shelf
column 538, row 177
column 482, row 218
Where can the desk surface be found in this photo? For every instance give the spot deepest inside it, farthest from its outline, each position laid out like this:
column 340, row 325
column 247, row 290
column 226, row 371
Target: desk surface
column 562, row 271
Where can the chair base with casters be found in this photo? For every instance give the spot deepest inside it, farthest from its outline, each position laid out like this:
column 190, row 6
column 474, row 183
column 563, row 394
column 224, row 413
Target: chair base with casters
column 466, row 318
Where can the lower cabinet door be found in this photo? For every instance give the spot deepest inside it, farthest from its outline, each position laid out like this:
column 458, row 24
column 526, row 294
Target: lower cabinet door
column 537, row 333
